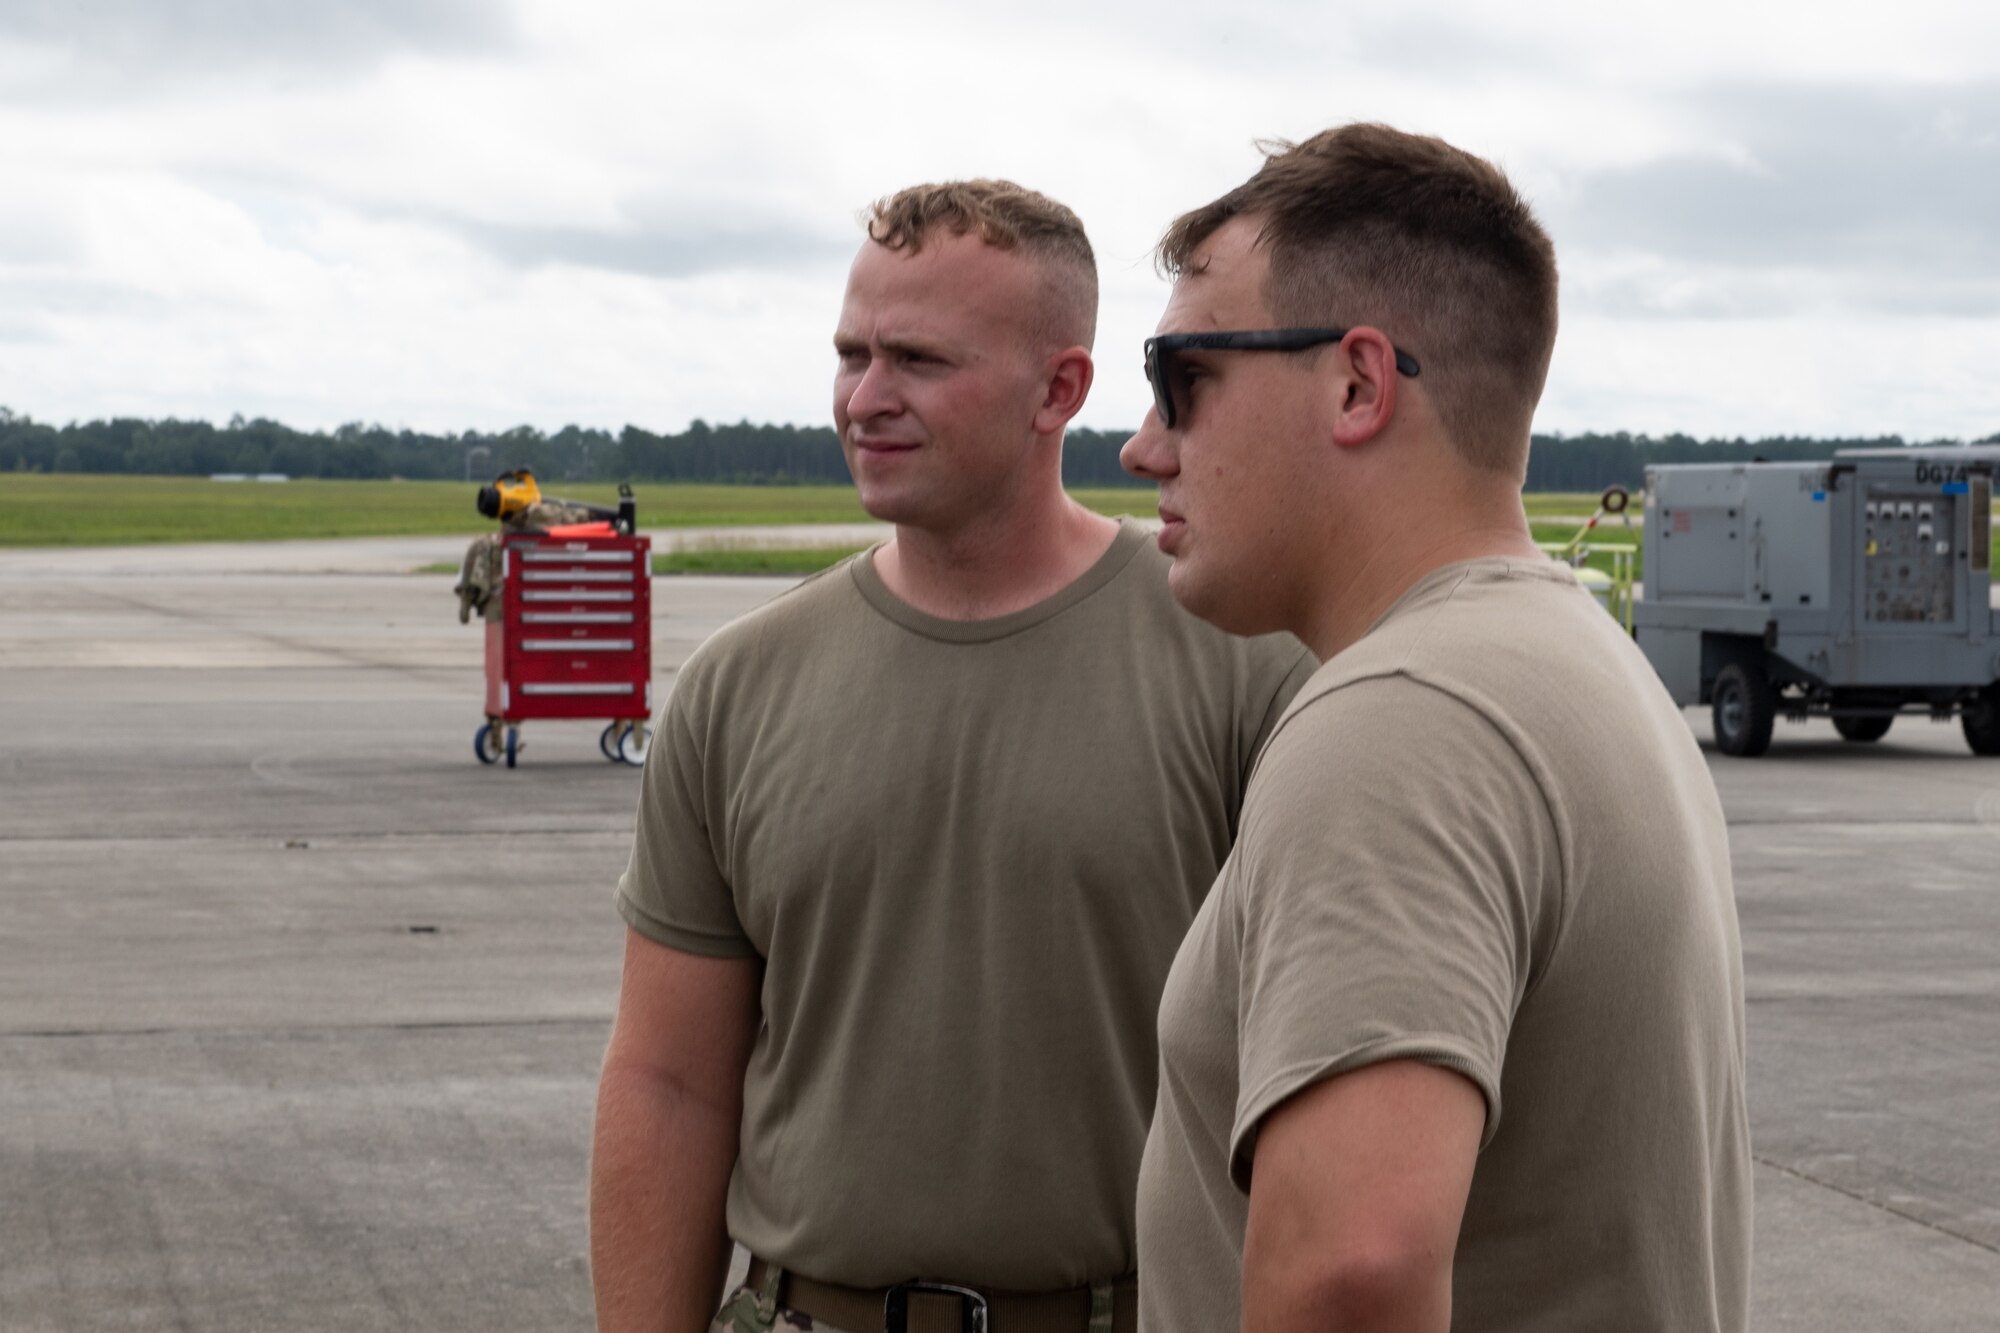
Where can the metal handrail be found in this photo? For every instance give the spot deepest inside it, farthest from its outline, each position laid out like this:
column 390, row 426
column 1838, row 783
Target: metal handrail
column 1624, row 564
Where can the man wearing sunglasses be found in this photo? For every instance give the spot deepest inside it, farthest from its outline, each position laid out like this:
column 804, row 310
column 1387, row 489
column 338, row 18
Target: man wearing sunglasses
column 916, row 844
column 1457, row 1039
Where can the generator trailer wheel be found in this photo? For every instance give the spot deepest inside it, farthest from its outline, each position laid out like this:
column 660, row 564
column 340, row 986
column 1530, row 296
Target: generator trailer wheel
column 1862, row 729
column 1981, row 720
column 1745, row 708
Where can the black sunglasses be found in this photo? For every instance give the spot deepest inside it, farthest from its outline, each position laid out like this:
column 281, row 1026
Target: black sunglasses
column 1161, row 351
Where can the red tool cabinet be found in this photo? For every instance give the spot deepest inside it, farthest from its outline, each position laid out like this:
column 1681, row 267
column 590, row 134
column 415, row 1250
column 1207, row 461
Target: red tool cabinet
column 574, row 640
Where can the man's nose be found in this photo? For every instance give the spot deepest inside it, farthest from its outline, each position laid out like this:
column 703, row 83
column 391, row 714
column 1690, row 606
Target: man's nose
column 1150, row 453
column 870, row 393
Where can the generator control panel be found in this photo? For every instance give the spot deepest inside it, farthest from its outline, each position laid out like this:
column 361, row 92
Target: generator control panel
column 1908, row 545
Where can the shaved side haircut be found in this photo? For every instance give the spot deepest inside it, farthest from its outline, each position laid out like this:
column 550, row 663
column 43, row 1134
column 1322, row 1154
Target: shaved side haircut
column 1365, row 224
column 1005, row 216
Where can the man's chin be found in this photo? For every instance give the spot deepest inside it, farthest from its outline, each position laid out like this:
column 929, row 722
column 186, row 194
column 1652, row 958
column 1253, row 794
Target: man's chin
column 1209, row 599
column 885, row 504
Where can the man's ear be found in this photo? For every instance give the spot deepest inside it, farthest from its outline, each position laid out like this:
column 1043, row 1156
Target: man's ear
column 1366, row 385
column 1068, row 378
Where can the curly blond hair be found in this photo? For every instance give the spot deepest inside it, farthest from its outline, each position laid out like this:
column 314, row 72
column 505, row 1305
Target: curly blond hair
column 1005, row 216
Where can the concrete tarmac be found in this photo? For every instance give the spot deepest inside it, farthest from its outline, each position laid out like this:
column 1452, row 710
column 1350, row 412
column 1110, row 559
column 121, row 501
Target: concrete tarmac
column 301, row 1007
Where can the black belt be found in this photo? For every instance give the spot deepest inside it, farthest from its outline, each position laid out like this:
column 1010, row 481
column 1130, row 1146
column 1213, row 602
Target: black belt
column 934, row 1307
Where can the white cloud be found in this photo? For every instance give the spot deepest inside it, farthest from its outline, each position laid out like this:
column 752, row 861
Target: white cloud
column 1756, row 376
column 134, row 50
column 452, row 214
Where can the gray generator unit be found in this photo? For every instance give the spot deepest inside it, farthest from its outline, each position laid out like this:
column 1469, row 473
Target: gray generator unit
column 1856, row 589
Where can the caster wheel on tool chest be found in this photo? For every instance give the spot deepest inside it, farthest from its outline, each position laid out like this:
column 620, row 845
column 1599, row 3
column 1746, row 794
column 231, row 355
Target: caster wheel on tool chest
column 633, row 744
column 607, row 742
column 482, row 746
column 513, row 745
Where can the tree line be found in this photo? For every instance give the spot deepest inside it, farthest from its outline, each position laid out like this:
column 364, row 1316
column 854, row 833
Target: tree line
column 742, row 453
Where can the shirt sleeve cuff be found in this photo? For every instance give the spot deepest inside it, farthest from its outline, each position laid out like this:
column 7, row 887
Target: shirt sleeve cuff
column 1260, row 1101
column 709, row 944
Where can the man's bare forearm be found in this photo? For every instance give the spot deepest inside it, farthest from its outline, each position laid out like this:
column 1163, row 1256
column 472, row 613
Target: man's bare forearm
column 659, row 1175
column 1358, row 1190
column 1390, row 1294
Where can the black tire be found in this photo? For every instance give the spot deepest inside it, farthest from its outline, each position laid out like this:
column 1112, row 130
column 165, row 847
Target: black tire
column 513, row 745
column 1863, row 729
column 486, row 756
column 1745, row 708
column 605, row 743
column 1981, row 720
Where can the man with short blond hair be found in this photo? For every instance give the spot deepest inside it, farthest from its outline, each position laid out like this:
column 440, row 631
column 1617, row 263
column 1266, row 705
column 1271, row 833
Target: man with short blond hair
column 915, row 846
column 1483, row 868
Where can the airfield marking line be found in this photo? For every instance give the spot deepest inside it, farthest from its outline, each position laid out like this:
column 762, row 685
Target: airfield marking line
column 1877, row 1204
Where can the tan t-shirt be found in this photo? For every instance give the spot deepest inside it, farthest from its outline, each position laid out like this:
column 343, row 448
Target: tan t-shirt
column 967, row 852
column 1481, row 837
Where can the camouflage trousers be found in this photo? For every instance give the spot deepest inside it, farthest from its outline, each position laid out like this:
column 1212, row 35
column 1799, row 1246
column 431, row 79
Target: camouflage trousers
column 753, row 1310
column 749, row 1311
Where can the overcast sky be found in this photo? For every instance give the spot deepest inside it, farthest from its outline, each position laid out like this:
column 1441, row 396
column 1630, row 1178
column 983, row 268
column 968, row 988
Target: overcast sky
column 1771, row 217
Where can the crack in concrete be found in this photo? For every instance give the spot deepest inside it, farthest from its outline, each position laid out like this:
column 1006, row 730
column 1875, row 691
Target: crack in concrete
column 1977, row 818
column 412, row 1025
column 229, row 629
column 322, row 839
column 1876, row 1204
column 146, row 1197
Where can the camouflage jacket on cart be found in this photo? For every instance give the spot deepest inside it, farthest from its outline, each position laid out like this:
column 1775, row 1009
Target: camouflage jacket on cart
column 480, row 575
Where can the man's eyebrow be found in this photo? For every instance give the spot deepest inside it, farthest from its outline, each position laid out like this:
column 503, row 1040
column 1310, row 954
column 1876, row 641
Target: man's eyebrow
column 904, row 342
column 895, row 342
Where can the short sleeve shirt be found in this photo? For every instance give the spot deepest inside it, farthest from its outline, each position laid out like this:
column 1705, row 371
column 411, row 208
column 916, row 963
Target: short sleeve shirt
column 965, row 852
column 1481, row 838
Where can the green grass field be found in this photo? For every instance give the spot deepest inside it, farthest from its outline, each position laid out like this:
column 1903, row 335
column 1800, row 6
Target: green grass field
column 43, row 510
column 68, row 510
column 63, row 510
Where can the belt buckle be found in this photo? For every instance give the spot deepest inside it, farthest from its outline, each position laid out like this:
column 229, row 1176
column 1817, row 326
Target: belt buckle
column 896, row 1306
